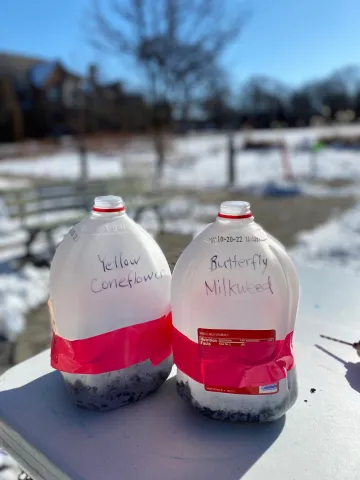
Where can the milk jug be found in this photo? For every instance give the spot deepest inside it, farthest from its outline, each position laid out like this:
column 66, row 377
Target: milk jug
column 234, row 299
column 110, row 309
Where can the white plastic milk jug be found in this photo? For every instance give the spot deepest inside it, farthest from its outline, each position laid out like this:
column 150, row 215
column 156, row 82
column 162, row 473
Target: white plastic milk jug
column 110, row 309
column 234, row 298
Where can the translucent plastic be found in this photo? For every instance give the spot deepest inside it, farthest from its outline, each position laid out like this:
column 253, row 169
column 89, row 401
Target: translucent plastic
column 235, row 276
column 95, row 289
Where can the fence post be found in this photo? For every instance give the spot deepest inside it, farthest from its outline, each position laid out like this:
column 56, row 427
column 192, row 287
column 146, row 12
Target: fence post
column 313, row 164
column 285, row 158
column 231, row 160
column 84, row 170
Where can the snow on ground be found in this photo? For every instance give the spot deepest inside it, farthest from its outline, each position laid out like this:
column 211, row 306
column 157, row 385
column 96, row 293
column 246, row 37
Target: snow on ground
column 13, row 234
column 13, row 183
column 63, row 165
column 20, row 292
column 336, row 243
column 9, row 469
column 10, row 225
column 293, row 135
column 255, row 169
column 351, row 190
column 199, row 159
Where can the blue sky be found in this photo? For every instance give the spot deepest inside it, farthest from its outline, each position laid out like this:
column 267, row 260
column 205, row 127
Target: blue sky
column 292, row 40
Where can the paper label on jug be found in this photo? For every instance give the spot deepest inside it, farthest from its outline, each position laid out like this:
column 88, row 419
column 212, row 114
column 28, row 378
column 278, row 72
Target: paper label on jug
column 209, row 338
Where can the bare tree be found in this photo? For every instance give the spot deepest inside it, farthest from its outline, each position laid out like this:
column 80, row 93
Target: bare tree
column 219, row 109
column 264, row 98
column 302, row 106
column 176, row 44
column 217, row 102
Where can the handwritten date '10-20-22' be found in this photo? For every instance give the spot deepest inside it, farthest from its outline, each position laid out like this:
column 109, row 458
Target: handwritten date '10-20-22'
column 235, row 239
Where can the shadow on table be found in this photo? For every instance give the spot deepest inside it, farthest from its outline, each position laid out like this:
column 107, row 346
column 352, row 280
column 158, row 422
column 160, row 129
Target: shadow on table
column 352, row 369
column 162, row 433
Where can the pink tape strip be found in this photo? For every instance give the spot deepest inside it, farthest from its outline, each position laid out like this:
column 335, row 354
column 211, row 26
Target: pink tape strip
column 114, row 350
column 253, row 365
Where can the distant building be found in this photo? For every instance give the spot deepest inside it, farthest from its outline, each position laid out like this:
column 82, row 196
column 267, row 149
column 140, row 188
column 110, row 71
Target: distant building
column 40, row 98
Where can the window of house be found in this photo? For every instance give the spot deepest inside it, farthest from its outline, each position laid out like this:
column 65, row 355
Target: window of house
column 53, row 94
column 72, row 93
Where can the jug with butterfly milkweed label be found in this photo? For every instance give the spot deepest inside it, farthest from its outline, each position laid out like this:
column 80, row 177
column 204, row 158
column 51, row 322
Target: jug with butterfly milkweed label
column 234, row 299
column 110, row 309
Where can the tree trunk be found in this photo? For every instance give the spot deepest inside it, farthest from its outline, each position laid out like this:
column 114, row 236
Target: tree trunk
column 231, row 160
column 159, row 144
column 84, row 169
column 82, row 150
column 18, row 123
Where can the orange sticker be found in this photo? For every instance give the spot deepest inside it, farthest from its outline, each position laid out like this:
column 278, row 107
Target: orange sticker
column 208, row 338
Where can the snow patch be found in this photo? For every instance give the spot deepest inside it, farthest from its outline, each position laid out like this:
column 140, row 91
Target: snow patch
column 200, row 160
column 13, row 183
column 63, row 165
column 20, row 292
column 9, row 469
column 336, row 243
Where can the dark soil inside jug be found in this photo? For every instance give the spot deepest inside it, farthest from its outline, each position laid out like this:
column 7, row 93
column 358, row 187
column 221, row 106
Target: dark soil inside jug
column 111, row 390
column 251, row 416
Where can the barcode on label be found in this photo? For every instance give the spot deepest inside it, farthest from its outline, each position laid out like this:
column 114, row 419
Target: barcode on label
column 269, row 388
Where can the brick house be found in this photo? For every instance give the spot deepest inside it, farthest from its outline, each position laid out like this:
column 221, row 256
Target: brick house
column 40, row 98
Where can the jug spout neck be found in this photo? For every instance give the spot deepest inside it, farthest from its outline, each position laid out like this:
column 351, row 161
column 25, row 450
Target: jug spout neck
column 108, row 205
column 235, row 211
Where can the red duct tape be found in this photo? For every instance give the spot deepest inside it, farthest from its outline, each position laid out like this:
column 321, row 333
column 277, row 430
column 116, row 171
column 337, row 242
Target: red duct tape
column 233, row 360
column 114, row 350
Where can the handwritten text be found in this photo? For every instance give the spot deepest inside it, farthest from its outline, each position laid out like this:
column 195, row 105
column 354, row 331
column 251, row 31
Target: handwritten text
column 128, row 281
column 256, row 262
column 227, row 287
column 117, row 262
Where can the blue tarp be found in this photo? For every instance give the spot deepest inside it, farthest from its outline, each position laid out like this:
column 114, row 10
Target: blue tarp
column 273, row 190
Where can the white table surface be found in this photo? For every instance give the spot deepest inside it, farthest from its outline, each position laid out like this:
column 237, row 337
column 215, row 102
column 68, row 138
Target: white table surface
column 162, row 438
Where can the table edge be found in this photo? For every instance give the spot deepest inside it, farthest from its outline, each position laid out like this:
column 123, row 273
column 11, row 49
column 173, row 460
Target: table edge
column 32, row 460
